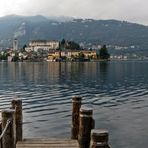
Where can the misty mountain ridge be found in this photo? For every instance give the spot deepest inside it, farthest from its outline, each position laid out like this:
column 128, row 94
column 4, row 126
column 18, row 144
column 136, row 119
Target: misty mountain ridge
column 110, row 32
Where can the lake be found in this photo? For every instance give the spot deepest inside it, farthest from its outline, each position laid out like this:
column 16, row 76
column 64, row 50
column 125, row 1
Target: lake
column 117, row 91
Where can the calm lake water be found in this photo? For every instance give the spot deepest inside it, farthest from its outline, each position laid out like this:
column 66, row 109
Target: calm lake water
column 117, row 91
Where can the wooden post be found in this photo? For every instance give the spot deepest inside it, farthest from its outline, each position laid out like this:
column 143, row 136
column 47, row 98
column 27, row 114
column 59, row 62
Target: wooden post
column 85, row 126
column 8, row 138
column 99, row 138
column 76, row 104
column 17, row 106
column 0, row 133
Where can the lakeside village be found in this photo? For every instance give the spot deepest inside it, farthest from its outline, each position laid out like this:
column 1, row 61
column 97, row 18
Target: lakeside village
column 47, row 50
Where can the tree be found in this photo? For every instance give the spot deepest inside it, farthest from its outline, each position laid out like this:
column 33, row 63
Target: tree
column 73, row 45
column 15, row 58
column 104, row 53
column 4, row 55
column 81, row 56
column 63, row 42
column 24, row 47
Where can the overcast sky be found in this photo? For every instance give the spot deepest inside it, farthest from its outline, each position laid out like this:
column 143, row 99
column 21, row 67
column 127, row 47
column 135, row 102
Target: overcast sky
column 129, row 10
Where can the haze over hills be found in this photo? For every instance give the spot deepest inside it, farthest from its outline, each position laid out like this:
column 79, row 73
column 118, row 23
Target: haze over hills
column 110, row 32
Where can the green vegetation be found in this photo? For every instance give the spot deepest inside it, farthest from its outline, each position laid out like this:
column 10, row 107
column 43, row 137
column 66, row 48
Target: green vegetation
column 104, row 53
column 69, row 45
column 81, row 56
column 15, row 58
column 62, row 44
column 24, row 46
column 4, row 55
column 73, row 45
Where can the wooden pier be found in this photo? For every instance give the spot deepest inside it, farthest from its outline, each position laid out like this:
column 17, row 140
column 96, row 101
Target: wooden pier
column 47, row 143
column 83, row 134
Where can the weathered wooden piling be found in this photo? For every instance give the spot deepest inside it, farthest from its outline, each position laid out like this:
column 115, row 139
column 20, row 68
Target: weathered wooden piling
column 85, row 126
column 0, row 133
column 99, row 138
column 76, row 104
column 17, row 106
column 8, row 127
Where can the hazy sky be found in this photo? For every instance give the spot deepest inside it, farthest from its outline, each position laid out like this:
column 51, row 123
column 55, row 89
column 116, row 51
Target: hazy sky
column 130, row 10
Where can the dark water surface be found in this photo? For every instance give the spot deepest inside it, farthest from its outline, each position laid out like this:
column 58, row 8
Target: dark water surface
column 117, row 90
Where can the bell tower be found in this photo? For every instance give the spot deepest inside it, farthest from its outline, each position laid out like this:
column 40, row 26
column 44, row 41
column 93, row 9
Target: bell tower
column 15, row 44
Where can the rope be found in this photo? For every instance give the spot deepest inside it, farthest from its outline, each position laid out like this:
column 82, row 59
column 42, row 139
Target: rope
column 15, row 108
column 8, row 122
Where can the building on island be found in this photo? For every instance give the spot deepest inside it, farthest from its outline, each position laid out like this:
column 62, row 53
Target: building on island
column 71, row 54
column 15, row 44
column 43, row 45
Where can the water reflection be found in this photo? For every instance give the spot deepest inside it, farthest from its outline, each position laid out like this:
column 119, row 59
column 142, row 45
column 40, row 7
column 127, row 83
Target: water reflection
column 104, row 65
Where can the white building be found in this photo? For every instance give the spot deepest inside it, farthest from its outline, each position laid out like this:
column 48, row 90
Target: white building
column 37, row 45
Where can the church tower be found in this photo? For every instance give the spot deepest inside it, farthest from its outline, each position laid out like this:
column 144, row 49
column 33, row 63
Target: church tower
column 15, row 44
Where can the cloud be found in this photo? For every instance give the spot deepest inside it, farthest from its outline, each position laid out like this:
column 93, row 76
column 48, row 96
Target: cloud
column 130, row 10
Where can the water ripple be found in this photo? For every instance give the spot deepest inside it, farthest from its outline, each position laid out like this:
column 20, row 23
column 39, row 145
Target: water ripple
column 118, row 92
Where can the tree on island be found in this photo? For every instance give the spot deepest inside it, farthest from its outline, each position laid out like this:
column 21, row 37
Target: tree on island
column 81, row 56
column 104, row 53
column 69, row 45
column 15, row 58
column 73, row 45
column 24, row 47
column 4, row 55
column 61, row 47
column 62, row 44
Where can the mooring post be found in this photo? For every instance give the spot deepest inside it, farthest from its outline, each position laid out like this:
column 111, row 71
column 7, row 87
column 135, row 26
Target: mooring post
column 8, row 126
column 99, row 138
column 0, row 133
column 76, row 104
column 85, row 126
column 17, row 106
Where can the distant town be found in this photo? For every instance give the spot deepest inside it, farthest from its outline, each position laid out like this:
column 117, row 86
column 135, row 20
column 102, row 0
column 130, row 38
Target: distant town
column 48, row 50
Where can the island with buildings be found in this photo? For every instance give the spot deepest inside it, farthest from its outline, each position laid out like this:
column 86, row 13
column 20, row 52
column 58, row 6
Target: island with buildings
column 49, row 50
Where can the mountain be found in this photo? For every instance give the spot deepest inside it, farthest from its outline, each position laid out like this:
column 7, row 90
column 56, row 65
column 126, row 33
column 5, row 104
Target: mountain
column 110, row 32
column 60, row 18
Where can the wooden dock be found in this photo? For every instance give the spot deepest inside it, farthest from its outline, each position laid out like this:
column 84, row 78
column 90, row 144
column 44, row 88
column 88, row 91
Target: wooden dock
column 83, row 134
column 47, row 143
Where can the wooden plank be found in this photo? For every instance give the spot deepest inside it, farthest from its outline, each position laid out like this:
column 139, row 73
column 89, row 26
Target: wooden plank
column 43, row 146
column 52, row 140
column 47, row 139
column 48, row 146
column 47, row 143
